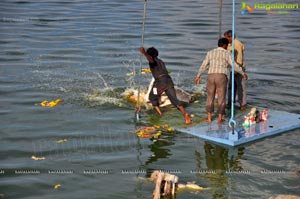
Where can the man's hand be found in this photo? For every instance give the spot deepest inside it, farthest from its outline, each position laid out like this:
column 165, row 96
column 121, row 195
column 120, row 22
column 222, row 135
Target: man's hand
column 142, row 50
column 245, row 76
column 197, row 80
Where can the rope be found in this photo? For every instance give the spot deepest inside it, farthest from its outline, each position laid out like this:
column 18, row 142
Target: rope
column 232, row 122
column 220, row 18
column 138, row 106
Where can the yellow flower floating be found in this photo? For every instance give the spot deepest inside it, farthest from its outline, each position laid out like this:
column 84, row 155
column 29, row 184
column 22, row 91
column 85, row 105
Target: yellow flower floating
column 157, row 126
column 51, row 104
column 62, row 140
column 157, row 134
column 145, row 132
column 153, row 131
column 170, row 129
column 57, row 186
column 37, row 158
column 146, row 71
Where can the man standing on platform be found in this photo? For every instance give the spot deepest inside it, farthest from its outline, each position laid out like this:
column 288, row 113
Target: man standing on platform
column 218, row 62
column 239, row 81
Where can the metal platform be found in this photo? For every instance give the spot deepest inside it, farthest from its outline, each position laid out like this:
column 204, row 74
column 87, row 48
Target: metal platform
column 278, row 122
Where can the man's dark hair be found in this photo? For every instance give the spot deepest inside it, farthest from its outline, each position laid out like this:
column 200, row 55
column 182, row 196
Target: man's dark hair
column 228, row 33
column 223, row 41
column 152, row 52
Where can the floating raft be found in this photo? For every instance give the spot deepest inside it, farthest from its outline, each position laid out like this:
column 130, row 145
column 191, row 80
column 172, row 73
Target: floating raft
column 278, row 122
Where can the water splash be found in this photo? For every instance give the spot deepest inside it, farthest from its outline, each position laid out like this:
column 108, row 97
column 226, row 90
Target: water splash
column 131, row 65
column 101, row 77
column 106, row 96
column 199, row 89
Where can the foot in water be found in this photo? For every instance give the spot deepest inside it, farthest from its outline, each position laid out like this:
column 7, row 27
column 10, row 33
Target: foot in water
column 187, row 118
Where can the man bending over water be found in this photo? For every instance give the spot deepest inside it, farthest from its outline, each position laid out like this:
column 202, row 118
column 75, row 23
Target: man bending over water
column 163, row 83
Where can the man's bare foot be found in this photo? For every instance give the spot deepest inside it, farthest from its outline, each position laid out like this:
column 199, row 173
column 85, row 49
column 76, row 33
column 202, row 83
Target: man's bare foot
column 187, row 118
column 157, row 109
column 243, row 108
column 220, row 118
column 208, row 120
column 220, row 121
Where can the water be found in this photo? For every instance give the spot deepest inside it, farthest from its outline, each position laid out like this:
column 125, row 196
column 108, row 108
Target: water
column 80, row 51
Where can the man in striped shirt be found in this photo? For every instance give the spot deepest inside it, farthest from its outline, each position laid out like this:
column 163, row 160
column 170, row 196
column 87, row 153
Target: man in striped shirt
column 218, row 62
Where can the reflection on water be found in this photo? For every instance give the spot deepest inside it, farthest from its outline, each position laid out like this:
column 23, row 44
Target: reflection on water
column 160, row 149
column 220, row 163
column 215, row 164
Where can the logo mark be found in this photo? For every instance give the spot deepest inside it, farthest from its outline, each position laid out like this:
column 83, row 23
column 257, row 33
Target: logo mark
column 246, row 8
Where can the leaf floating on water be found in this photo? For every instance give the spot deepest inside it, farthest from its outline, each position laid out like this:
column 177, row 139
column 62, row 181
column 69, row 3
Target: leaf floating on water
column 37, row 158
column 57, row 186
column 62, row 140
column 2, row 195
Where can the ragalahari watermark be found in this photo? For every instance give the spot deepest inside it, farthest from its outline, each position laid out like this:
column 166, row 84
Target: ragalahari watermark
column 270, row 8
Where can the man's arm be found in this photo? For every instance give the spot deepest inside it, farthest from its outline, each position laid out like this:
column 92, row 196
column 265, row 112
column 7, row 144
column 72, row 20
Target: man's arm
column 148, row 57
column 237, row 68
column 203, row 67
column 240, row 54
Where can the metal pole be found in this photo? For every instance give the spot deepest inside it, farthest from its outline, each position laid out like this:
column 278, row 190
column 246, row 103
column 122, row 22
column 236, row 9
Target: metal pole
column 220, row 18
column 138, row 105
column 232, row 123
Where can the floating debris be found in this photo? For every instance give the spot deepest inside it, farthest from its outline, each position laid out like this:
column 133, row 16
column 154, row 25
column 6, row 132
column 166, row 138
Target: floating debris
column 62, row 140
column 146, row 71
column 50, row 104
column 146, row 131
column 57, row 186
column 143, row 71
column 153, row 131
column 167, row 184
column 130, row 74
column 37, row 158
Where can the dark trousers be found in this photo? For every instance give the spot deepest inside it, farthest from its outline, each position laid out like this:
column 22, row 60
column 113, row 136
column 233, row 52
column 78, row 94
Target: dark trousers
column 239, row 89
column 170, row 92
